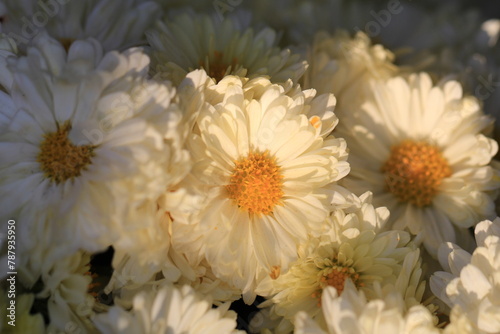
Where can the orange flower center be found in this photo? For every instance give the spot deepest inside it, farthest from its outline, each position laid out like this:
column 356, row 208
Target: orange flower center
column 256, row 183
column 414, row 172
column 60, row 159
column 335, row 275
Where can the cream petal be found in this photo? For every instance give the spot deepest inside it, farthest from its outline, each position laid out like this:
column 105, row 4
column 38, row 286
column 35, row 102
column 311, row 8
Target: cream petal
column 474, row 281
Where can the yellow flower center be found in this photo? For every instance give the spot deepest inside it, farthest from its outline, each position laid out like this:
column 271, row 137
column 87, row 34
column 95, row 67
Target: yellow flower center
column 337, row 277
column 60, row 159
column 414, row 172
column 256, row 183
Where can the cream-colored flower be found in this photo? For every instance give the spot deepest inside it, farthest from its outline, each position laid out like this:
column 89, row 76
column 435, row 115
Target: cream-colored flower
column 91, row 144
column 168, row 310
column 145, row 252
column 353, row 313
column 117, row 25
column 420, row 149
column 470, row 284
column 66, row 286
column 269, row 176
column 221, row 47
column 343, row 65
column 155, row 261
column 355, row 249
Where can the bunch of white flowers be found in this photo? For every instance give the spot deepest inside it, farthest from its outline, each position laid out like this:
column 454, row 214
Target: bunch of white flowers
column 237, row 166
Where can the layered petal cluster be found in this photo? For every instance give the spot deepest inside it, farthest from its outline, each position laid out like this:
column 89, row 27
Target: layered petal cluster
column 352, row 249
column 153, row 261
column 344, row 65
column 66, row 288
column 352, row 312
column 421, row 149
column 269, row 176
column 168, row 310
column 470, row 284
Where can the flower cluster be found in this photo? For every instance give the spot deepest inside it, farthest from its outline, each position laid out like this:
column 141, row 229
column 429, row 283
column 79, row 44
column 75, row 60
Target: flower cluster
column 240, row 166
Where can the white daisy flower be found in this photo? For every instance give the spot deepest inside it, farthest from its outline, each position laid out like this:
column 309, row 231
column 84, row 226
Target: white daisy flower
column 221, row 47
column 352, row 249
column 168, row 310
column 116, row 24
column 420, row 150
column 269, row 176
column 470, row 284
column 343, row 65
column 88, row 147
column 351, row 312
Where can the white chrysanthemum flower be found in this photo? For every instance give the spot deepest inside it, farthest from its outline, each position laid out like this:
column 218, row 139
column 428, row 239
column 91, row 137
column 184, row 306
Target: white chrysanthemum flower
column 459, row 323
column 90, row 145
column 221, row 47
column 66, row 287
column 168, row 310
column 352, row 249
column 351, row 312
column 268, row 174
column 420, row 150
column 134, row 269
column 142, row 254
column 19, row 314
column 471, row 283
column 343, row 65
column 115, row 24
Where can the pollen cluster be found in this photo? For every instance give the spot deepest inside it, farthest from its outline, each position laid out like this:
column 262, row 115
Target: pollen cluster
column 60, row 159
column 414, row 172
column 335, row 275
column 256, row 183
